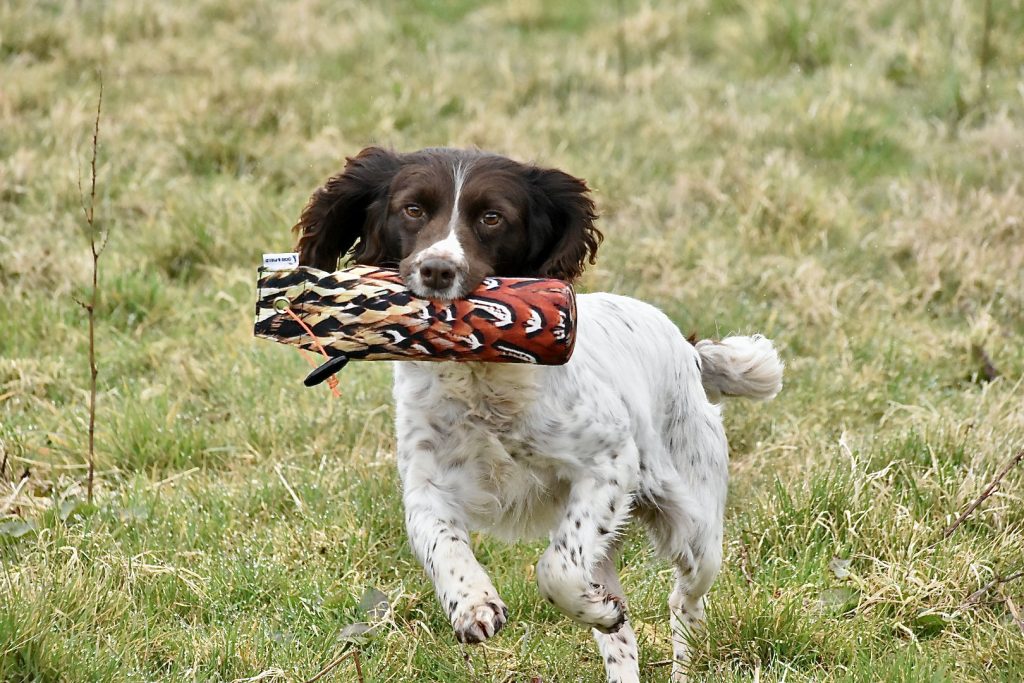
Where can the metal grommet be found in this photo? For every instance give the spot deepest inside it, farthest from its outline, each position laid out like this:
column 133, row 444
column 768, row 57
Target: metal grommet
column 282, row 304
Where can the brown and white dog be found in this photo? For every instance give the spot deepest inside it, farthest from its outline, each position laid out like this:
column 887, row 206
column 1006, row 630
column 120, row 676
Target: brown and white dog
column 628, row 428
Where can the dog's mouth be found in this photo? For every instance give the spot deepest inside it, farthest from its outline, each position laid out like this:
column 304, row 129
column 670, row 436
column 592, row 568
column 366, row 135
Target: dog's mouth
column 446, row 295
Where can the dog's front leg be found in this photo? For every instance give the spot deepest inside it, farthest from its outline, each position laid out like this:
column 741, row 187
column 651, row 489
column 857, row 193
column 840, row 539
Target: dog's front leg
column 440, row 541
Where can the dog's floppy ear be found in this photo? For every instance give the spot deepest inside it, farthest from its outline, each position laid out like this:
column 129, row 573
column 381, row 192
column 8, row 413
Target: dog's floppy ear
column 562, row 231
column 349, row 207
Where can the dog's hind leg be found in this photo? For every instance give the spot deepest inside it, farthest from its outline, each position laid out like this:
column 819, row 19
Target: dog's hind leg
column 599, row 502
column 684, row 522
column 618, row 650
column 686, row 605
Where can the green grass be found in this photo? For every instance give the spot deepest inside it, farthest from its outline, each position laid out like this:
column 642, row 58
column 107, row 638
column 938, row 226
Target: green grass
column 828, row 174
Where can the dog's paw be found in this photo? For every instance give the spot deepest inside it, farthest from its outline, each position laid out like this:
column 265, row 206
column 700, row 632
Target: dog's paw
column 600, row 609
column 476, row 623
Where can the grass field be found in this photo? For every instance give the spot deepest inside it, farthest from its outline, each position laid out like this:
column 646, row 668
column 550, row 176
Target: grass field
column 845, row 177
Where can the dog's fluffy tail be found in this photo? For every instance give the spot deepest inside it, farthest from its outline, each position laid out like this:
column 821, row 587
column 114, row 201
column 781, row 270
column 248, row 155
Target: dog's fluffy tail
column 740, row 366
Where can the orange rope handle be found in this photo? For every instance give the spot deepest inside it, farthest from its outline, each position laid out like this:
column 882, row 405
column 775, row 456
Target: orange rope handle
column 332, row 381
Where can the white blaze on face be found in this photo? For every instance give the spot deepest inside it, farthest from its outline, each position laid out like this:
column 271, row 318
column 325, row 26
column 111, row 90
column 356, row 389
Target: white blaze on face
column 449, row 247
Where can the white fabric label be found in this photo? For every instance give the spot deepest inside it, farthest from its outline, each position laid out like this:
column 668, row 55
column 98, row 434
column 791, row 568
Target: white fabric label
column 280, row 261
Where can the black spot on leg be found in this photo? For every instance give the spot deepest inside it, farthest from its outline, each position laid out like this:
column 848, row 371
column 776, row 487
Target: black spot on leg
column 611, row 507
column 611, row 659
column 603, row 531
column 577, row 524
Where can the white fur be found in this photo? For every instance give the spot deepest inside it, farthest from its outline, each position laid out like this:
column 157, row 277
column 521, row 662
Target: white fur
column 740, row 366
column 623, row 430
column 458, row 180
column 448, row 248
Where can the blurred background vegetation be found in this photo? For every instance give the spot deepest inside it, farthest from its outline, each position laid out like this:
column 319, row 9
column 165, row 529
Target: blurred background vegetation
column 844, row 177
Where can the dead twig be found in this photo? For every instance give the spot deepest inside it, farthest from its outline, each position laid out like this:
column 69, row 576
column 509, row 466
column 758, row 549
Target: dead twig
column 353, row 653
column 985, row 52
column 745, row 563
column 989, row 372
column 620, row 43
column 984, row 494
column 975, row 597
column 467, row 660
column 90, row 306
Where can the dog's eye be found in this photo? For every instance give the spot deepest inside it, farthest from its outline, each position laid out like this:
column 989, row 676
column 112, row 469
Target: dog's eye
column 413, row 210
column 491, row 219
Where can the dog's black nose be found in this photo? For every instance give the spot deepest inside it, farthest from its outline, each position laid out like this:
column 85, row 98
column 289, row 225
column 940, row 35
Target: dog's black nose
column 437, row 274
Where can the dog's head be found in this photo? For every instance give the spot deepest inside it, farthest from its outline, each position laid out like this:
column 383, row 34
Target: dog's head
column 449, row 218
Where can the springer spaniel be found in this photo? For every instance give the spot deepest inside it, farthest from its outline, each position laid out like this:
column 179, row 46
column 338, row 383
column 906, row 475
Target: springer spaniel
column 628, row 428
